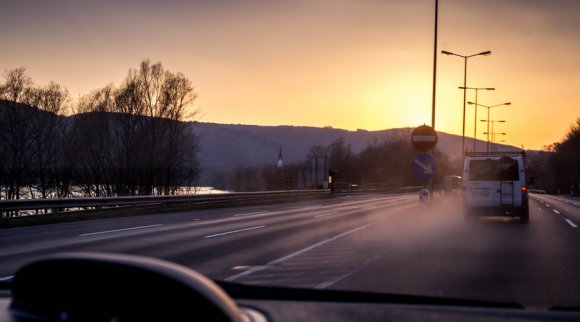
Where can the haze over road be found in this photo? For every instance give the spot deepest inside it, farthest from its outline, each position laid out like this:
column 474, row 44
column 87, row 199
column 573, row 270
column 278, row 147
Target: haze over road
column 375, row 242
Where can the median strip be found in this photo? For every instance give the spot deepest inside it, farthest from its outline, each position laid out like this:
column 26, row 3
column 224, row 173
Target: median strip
column 117, row 230
column 233, row 231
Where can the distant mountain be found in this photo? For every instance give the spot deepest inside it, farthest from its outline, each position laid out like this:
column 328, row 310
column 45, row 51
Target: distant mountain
column 224, row 147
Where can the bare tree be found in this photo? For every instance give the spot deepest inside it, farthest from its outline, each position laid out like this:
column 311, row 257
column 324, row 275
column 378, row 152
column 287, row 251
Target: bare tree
column 130, row 140
column 16, row 134
column 167, row 147
column 90, row 145
column 47, row 136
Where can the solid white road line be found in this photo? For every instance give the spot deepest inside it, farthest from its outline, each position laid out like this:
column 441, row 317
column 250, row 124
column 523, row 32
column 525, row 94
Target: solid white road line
column 233, row 231
column 304, row 250
column 571, row 223
column 324, row 215
column 251, row 213
column 117, row 230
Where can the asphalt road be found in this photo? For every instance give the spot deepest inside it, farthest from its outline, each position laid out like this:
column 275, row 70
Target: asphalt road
column 378, row 243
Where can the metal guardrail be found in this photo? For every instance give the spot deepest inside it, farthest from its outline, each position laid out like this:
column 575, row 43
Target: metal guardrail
column 537, row 191
column 60, row 205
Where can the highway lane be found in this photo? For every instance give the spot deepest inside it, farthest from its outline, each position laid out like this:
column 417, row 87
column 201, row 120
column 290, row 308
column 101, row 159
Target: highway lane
column 536, row 265
column 379, row 243
column 565, row 207
column 199, row 238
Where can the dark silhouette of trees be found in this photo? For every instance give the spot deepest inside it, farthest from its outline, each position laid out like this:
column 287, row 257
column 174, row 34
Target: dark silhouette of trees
column 142, row 144
column 31, row 134
column 556, row 169
column 566, row 161
column 130, row 140
column 343, row 161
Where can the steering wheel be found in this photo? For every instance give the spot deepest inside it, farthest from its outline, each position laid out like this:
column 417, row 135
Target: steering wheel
column 116, row 288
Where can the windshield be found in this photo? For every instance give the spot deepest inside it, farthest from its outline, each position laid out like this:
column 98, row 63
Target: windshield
column 274, row 142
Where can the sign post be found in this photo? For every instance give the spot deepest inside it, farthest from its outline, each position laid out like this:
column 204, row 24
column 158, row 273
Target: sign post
column 424, row 139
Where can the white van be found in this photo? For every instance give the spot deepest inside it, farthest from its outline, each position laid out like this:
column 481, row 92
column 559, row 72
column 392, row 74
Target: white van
column 494, row 184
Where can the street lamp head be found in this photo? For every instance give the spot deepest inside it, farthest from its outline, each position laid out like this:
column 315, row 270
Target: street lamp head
column 502, row 121
column 444, row 52
column 470, row 103
column 508, row 103
column 478, row 88
column 483, row 120
column 485, row 53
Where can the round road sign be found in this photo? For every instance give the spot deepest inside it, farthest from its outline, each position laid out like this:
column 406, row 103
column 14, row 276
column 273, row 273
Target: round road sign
column 424, row 138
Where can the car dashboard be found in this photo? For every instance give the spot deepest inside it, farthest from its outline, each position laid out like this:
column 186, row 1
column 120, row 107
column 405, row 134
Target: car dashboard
column 113, row 287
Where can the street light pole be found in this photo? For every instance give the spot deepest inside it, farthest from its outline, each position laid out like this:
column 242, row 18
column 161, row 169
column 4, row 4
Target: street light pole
column 493, row 134
column 475, row 118
column 488, row 108
column 434, row 69
column 483, row 53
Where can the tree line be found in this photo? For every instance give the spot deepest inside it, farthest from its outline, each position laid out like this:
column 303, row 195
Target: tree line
column 383, row 163
column 556, row 169
column 387, row 163
column 127, row 140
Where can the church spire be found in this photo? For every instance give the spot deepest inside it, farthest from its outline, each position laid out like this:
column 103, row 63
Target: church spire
column 280, row 162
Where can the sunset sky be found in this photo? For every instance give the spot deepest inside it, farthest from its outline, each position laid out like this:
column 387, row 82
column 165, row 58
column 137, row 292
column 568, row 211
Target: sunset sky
column 351, row 64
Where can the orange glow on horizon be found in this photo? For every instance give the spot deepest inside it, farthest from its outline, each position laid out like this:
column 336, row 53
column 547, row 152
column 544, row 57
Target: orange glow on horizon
column 347, row 64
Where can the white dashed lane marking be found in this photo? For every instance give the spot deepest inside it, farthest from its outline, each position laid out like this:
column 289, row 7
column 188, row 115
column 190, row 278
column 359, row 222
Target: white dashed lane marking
column 571, row 223
column 233, row 231
column 117, row 230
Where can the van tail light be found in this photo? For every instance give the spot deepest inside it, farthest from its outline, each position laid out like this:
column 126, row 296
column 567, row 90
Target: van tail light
column 524, row 188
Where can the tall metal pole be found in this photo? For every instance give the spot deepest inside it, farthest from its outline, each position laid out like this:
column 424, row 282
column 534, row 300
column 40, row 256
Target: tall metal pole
column 475, row 124
column 434, row 68
column 464, row 98
column 492, row 137
column 434, row 88
column 488, row 128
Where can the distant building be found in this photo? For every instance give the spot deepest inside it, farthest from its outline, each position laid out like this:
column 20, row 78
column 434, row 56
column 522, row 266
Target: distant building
column 280, row 161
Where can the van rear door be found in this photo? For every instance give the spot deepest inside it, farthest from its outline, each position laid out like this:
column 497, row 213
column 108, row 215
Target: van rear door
column 483, row 189
column 508, row 173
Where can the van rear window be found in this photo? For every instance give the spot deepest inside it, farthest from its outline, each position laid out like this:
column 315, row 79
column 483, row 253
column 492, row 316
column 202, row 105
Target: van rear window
column 504, row 169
